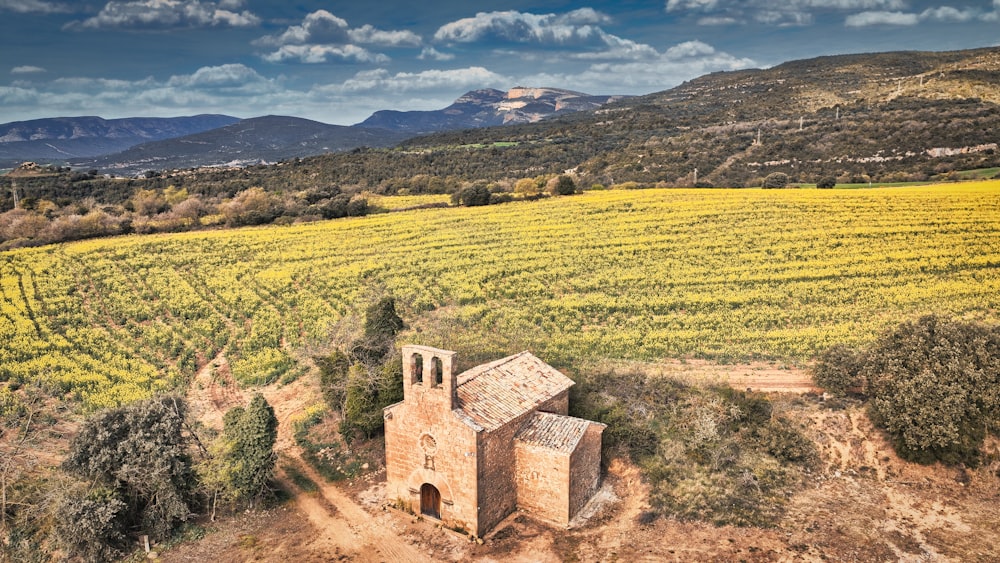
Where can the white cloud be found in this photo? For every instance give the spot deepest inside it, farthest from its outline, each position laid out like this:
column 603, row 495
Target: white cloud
column 313, row 54
column 950, row 14
column 865, row 19
column 33, row 6
column 717, row 20
column 318, row 27
column 27, row 69
column 323, row 36
column 577, row 26
column 578, row 29
column 430, row 53
column 323, row 28
column 159, row 14
column 678, row 63
column 945, row 14
column 768, row 12
column 368, row 35
column 382, row 80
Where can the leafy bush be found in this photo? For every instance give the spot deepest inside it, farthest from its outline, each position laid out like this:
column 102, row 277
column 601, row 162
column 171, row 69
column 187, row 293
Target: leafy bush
column 250, row 434
column 139, row 453
column 360, row 384
column 933, row 385
column 826, row 183
column 713, row 454
column 935, row 388
column 776, row 180
column 91, row 524
column 838, row 369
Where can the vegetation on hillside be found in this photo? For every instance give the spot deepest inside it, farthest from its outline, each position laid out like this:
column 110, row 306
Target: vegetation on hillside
column 879, row 118
column 132, row 471
column 359, row 382
column 53, row 215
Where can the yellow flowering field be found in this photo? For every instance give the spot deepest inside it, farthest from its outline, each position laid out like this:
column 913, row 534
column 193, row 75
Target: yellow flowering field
column 722, row 274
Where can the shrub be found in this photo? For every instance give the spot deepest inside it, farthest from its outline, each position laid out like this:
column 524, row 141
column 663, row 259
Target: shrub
column 826, row 183
column 562, row 185
column 838, row 370
column 935, row 388
column 776, row 180
column 138, row 452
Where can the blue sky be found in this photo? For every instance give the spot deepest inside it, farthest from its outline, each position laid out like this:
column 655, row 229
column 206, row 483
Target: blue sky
column 337, row 62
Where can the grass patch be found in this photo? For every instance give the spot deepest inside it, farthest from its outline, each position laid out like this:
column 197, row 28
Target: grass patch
column 709, row 453
column 300, row 479
column 324, row 449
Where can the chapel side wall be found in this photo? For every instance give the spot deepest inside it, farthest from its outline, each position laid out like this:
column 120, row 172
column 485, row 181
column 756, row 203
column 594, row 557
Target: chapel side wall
column 497, row 466
column 585, row 468
column 543, row 482
column 557, row 405
column 451, row 467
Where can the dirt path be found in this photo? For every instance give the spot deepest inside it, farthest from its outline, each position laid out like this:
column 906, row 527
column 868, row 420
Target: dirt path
column 758, row 376
column 342, row 528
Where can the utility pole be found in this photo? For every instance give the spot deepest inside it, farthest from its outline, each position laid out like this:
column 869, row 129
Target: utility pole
column 802, row 120
column 13, row 189
column 696, row 177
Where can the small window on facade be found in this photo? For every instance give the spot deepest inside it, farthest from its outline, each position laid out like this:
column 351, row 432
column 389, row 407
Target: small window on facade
column 418, row 368
column 437, row 371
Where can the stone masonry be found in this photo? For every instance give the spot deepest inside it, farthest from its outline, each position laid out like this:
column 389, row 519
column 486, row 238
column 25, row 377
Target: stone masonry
column 468, row 449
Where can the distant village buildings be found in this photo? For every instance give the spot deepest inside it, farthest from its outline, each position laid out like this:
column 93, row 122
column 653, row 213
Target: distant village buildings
column 469, row 449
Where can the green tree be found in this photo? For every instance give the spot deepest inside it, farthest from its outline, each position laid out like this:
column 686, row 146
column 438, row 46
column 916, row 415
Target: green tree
column 562, row 185
column 91, row 523
column 474, row 195
column 139, row 452
column 382, row 324
column 250, row 434
column 826, row 183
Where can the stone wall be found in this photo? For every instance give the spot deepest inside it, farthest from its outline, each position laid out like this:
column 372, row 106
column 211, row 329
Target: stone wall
column 426, row 444
column 497, row 486
column 585, row 468
column 556, row 405
column 543, row 483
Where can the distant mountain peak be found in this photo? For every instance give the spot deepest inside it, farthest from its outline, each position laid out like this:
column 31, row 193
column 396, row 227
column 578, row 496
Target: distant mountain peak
column 488, row 107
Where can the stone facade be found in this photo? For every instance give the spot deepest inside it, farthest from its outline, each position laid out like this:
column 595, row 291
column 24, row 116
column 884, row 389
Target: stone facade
column 468, row 449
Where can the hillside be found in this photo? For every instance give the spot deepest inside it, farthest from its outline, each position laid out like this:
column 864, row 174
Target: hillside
column 488, row 108
column 250, row 141
column 885, row 117
column 62, row 138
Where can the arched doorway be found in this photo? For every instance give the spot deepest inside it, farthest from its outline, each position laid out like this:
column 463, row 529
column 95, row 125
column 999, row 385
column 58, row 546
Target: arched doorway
column 430, row 501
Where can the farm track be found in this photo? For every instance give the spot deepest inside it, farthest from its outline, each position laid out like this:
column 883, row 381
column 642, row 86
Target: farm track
column 341, row 525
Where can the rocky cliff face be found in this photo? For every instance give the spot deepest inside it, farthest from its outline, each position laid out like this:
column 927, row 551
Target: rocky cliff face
column 490, row 107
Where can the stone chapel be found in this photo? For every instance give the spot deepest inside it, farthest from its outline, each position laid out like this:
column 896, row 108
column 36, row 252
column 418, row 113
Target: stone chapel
column 468, row 449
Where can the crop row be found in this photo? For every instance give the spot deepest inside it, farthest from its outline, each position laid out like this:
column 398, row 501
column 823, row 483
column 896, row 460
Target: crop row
column 723, row 274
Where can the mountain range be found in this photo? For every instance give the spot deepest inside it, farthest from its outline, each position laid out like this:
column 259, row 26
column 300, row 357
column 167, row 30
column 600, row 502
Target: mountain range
column 60, row 139
column 131, row 145
column 882, row 116
column 488, row 108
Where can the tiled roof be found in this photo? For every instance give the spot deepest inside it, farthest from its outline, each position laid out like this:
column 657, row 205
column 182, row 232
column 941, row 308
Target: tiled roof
column 495, row 393
column 553, row 431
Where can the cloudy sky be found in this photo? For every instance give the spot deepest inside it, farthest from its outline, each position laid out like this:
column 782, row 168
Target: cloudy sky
column 337, row 62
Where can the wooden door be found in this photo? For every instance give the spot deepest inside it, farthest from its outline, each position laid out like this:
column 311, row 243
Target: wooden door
column 430, row 501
